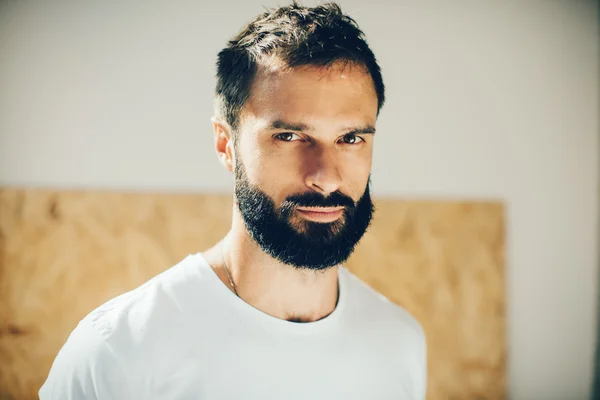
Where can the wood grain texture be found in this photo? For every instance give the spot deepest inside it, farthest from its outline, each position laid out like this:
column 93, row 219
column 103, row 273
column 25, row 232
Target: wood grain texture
column 63, row 253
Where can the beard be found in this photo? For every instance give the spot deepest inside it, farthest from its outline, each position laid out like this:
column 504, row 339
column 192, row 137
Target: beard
column 296, row 241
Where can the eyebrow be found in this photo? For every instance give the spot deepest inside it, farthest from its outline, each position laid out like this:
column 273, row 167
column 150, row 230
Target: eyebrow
column 288, row 126
column 299, row 127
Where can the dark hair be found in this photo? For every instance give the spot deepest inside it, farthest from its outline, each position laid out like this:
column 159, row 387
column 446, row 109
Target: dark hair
column 298, row 36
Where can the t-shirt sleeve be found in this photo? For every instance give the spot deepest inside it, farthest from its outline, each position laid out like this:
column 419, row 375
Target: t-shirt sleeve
column 421, row 378
column 86, row 368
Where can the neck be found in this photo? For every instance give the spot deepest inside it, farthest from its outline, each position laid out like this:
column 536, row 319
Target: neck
column 277, row 289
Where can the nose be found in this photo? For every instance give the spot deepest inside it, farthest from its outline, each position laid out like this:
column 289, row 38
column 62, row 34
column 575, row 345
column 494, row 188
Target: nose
column 322, row 171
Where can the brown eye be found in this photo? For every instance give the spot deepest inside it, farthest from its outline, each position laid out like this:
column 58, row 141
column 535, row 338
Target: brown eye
column 286, row 136
column 351, row 139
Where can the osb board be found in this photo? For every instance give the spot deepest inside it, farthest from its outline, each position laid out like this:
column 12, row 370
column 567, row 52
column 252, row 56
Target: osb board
column 64, row 253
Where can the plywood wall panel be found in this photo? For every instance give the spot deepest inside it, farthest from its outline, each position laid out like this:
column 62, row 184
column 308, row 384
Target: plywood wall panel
column 64, row 253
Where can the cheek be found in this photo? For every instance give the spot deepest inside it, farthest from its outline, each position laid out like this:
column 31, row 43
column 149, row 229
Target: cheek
column 356, row 170
column 254, row 159
column 277, row 176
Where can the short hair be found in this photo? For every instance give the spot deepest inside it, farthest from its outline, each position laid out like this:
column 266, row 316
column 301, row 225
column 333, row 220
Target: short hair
column 297, row 36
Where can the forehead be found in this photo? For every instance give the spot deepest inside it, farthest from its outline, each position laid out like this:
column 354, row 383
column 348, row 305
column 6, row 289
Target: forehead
column 342, row 92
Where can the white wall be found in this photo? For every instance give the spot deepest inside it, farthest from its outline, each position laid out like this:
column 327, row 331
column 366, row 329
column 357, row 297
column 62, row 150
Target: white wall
column 491, row 100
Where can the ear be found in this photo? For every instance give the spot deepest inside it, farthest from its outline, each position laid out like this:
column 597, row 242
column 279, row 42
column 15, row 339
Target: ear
column 223, row 142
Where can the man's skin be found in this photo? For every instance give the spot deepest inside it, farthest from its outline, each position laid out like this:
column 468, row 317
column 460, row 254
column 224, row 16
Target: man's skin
column 322, row 157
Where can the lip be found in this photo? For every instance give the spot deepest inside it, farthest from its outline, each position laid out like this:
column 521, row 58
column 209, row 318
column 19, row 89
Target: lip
column 319, row 214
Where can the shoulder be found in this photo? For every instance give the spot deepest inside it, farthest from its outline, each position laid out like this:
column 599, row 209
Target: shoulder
column 85, row 367
column 398, row 333
column 376, row 307
column 112, row 342
column 166, row 297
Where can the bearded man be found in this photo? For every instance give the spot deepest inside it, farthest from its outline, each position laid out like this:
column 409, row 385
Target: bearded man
column 269, row 312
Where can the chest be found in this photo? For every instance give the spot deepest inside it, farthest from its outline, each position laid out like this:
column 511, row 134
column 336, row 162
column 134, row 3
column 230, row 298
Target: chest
column 274, row 368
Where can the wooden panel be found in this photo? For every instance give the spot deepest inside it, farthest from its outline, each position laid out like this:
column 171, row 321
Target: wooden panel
column 64, row 253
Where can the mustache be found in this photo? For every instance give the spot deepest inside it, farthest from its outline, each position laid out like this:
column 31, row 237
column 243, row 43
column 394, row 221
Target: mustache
column 314, row 199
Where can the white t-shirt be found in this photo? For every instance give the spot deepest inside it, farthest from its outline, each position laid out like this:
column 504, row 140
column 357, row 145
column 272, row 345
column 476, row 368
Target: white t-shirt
column 184, row 335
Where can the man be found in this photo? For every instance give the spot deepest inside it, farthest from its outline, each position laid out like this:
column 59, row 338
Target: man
column 269, row 312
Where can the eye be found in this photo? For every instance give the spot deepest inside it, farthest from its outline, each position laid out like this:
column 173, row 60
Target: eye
column 352, row 139
column 287, row 136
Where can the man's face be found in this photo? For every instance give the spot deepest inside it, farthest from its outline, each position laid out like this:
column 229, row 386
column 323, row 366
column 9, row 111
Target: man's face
column 303, row 158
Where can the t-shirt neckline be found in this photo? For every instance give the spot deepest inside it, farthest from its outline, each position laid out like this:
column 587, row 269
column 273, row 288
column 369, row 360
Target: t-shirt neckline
column 269, row 321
